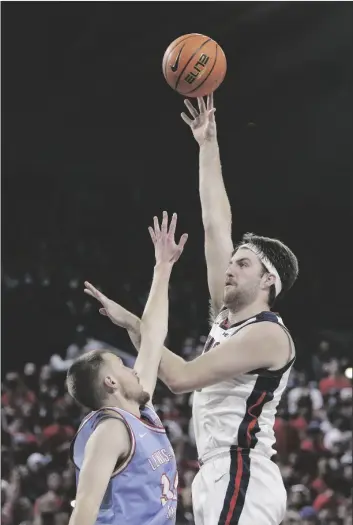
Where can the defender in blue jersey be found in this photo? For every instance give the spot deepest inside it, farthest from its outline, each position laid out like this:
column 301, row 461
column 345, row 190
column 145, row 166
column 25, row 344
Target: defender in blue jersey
column 125, row 465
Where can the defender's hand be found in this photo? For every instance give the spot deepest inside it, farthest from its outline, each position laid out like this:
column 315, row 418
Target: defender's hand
column 165, row 248
column 203, row 124
column 116, row 313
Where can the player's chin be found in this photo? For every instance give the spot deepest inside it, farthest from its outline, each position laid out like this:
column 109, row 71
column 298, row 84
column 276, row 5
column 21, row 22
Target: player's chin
column 229, row 295
column 144, row 398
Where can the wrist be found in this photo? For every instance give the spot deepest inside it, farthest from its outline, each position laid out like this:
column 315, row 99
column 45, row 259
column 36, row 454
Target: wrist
column 209, row 144
column 163, row 267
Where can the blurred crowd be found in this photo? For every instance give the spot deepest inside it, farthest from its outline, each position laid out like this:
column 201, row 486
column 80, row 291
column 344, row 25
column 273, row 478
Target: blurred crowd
column 313, row 441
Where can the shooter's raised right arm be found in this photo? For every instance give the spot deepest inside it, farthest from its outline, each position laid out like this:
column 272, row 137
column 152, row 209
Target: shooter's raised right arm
column 216, row 211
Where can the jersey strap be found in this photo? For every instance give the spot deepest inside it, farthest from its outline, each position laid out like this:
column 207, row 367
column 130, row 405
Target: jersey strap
column 269, row 317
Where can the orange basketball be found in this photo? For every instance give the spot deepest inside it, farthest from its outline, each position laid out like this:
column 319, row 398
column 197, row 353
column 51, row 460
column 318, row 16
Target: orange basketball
column 194, row 65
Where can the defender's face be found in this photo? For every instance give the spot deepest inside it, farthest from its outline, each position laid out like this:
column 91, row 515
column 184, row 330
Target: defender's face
column 126, row 379
column 243, row 278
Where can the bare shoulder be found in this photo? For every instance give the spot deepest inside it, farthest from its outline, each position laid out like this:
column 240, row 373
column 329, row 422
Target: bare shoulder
column 110, row 436
column 272, row 338
column 107, row 447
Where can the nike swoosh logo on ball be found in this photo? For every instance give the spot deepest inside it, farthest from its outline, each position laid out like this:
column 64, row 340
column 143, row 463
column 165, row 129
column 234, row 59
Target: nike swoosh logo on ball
column 174, row 67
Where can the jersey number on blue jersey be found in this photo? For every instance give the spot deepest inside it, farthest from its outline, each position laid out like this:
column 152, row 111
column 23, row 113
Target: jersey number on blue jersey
column 169, row 490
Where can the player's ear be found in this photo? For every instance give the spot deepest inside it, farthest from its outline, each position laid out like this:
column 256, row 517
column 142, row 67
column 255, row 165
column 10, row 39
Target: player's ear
column 110, row 382
column 269, row 280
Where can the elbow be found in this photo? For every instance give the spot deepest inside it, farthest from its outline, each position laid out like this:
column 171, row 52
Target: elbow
column 175, row 388
column 172, row 383
column 178, row 386
column 175, row 378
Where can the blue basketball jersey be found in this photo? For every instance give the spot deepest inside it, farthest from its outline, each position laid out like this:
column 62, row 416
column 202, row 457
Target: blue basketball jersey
column 142, row 489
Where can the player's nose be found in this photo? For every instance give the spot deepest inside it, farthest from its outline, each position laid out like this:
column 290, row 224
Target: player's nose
column 229, row 274
column 229, row 277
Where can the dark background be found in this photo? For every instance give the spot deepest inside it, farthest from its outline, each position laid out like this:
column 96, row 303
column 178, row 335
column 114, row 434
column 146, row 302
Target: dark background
column 93, row 147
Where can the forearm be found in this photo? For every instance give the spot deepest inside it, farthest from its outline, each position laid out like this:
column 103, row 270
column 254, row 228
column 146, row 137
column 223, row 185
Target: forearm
column 217, row 221
column 171, row 365
column 215, row 205
column 154, row 321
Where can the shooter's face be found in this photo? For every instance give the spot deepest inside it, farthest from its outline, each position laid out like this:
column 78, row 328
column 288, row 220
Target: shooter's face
column 243, row 279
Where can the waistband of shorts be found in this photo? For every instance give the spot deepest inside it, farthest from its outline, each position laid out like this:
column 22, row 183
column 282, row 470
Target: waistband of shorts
column 222, row 452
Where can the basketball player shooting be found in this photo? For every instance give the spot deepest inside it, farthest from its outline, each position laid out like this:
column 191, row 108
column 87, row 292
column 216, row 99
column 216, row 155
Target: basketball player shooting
column 125, row 464
column 239, row 379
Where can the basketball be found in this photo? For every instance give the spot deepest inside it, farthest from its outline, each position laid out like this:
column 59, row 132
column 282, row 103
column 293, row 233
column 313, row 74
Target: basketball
column 194, row 65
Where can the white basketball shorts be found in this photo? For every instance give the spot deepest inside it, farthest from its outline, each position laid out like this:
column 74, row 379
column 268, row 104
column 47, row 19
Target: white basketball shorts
column 241, row 487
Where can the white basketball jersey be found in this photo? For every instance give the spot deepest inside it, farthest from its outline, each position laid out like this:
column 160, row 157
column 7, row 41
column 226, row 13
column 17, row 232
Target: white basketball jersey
column 239, row 412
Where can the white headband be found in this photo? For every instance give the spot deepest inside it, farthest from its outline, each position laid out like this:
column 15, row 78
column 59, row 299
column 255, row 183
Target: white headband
column 267, row 264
